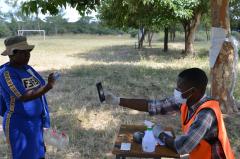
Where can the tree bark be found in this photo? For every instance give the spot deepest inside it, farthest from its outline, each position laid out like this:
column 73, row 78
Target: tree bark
column 165, row 39
column 150, row 36
column 172, row 33
column 207, row 32
column 190, row 28
column 223, row 75
column 141, row 38
column 56, row 30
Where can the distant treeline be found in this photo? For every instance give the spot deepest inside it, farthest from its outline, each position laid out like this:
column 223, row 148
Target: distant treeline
column 55, row 25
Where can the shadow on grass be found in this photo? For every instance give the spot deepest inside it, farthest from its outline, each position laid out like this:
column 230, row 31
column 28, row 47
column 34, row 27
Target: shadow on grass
column 203, row 53
column 126, row 53
column 76, row 86
column 84, row 142
column 123, row 80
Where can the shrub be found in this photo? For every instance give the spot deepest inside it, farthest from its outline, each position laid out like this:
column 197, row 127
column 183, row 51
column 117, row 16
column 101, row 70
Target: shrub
column 133, row 33
column 236, row 35
column 4, row 30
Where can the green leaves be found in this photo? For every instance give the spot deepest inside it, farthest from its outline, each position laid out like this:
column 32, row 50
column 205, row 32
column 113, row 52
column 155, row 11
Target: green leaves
column 54, row 6
column 149, row 13
column 123, row 13
column 235, row 14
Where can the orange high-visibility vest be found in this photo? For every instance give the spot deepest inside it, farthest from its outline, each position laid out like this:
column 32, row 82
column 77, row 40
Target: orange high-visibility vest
column 203, row 149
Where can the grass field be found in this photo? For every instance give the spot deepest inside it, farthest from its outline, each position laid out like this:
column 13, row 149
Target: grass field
column 84, row 60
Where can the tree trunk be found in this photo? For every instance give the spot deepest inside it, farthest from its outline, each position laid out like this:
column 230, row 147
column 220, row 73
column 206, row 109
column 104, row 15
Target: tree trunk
column 150, row 36
column 165, row 39
column 223, row 73
column 56, row 30
column 207, row 32
column 190, row 28
column 141, row 38
column 172, row 33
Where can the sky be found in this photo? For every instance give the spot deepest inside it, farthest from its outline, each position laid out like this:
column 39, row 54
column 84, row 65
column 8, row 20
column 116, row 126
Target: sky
column 70, row 13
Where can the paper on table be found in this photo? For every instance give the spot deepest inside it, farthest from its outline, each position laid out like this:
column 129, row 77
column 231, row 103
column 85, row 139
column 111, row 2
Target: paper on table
column 160, row 142
column 125, row 146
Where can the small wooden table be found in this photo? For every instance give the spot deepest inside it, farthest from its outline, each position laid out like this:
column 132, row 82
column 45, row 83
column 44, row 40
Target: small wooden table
column 126, row 135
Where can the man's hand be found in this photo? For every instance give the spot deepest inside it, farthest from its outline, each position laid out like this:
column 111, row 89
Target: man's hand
column 111, row 99
column 157, row 130
column 168, row 140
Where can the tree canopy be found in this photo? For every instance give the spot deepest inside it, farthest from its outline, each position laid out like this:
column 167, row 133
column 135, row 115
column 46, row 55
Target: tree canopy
column 134, row 13
column 155, row 14
column 53, row 6
column 235, row 14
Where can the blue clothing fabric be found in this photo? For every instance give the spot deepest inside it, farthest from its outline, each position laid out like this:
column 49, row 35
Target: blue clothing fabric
column 23, row 121
column 3, row 107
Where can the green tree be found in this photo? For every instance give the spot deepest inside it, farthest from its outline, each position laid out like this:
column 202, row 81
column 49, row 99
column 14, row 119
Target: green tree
column 156, row 14
column 55, row 24
column 145, row 15
column 53, row 6
column 197, row 8
column 141, row 14
column 17, row 19
column 4, row 30
column 188, row 13
column 206, row 23
column 235, row 14
column 124, row 13
column 14, row 20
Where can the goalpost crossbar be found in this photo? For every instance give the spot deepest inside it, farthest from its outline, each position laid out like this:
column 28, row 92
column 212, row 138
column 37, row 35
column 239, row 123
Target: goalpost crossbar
column 20, row 32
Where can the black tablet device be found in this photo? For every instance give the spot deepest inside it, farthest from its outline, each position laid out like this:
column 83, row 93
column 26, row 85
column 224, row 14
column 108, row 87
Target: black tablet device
column 100, row 92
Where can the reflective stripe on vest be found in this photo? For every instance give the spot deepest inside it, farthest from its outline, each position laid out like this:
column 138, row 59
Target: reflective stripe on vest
column 203, row 149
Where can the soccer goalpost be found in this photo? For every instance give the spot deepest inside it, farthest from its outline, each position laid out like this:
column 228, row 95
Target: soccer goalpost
column 21, row 32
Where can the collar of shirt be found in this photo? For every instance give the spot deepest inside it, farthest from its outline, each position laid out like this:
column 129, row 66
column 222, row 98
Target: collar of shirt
column 195, row 106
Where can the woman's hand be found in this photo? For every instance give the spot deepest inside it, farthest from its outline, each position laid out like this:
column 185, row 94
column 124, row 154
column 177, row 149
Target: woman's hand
column 51, row 81
column 33, row 94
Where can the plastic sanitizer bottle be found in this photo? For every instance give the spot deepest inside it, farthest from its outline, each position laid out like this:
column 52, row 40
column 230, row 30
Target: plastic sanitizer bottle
column 148, row 142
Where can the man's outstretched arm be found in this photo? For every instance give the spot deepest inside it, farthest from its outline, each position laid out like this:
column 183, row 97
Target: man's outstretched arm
column 152, row 106
column 136, row 104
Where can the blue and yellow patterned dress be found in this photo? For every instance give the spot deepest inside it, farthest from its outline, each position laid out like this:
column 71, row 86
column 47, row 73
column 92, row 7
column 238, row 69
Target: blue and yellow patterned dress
column 23, row 121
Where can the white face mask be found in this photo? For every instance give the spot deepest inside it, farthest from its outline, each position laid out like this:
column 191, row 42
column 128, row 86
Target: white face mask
column 178, row 96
